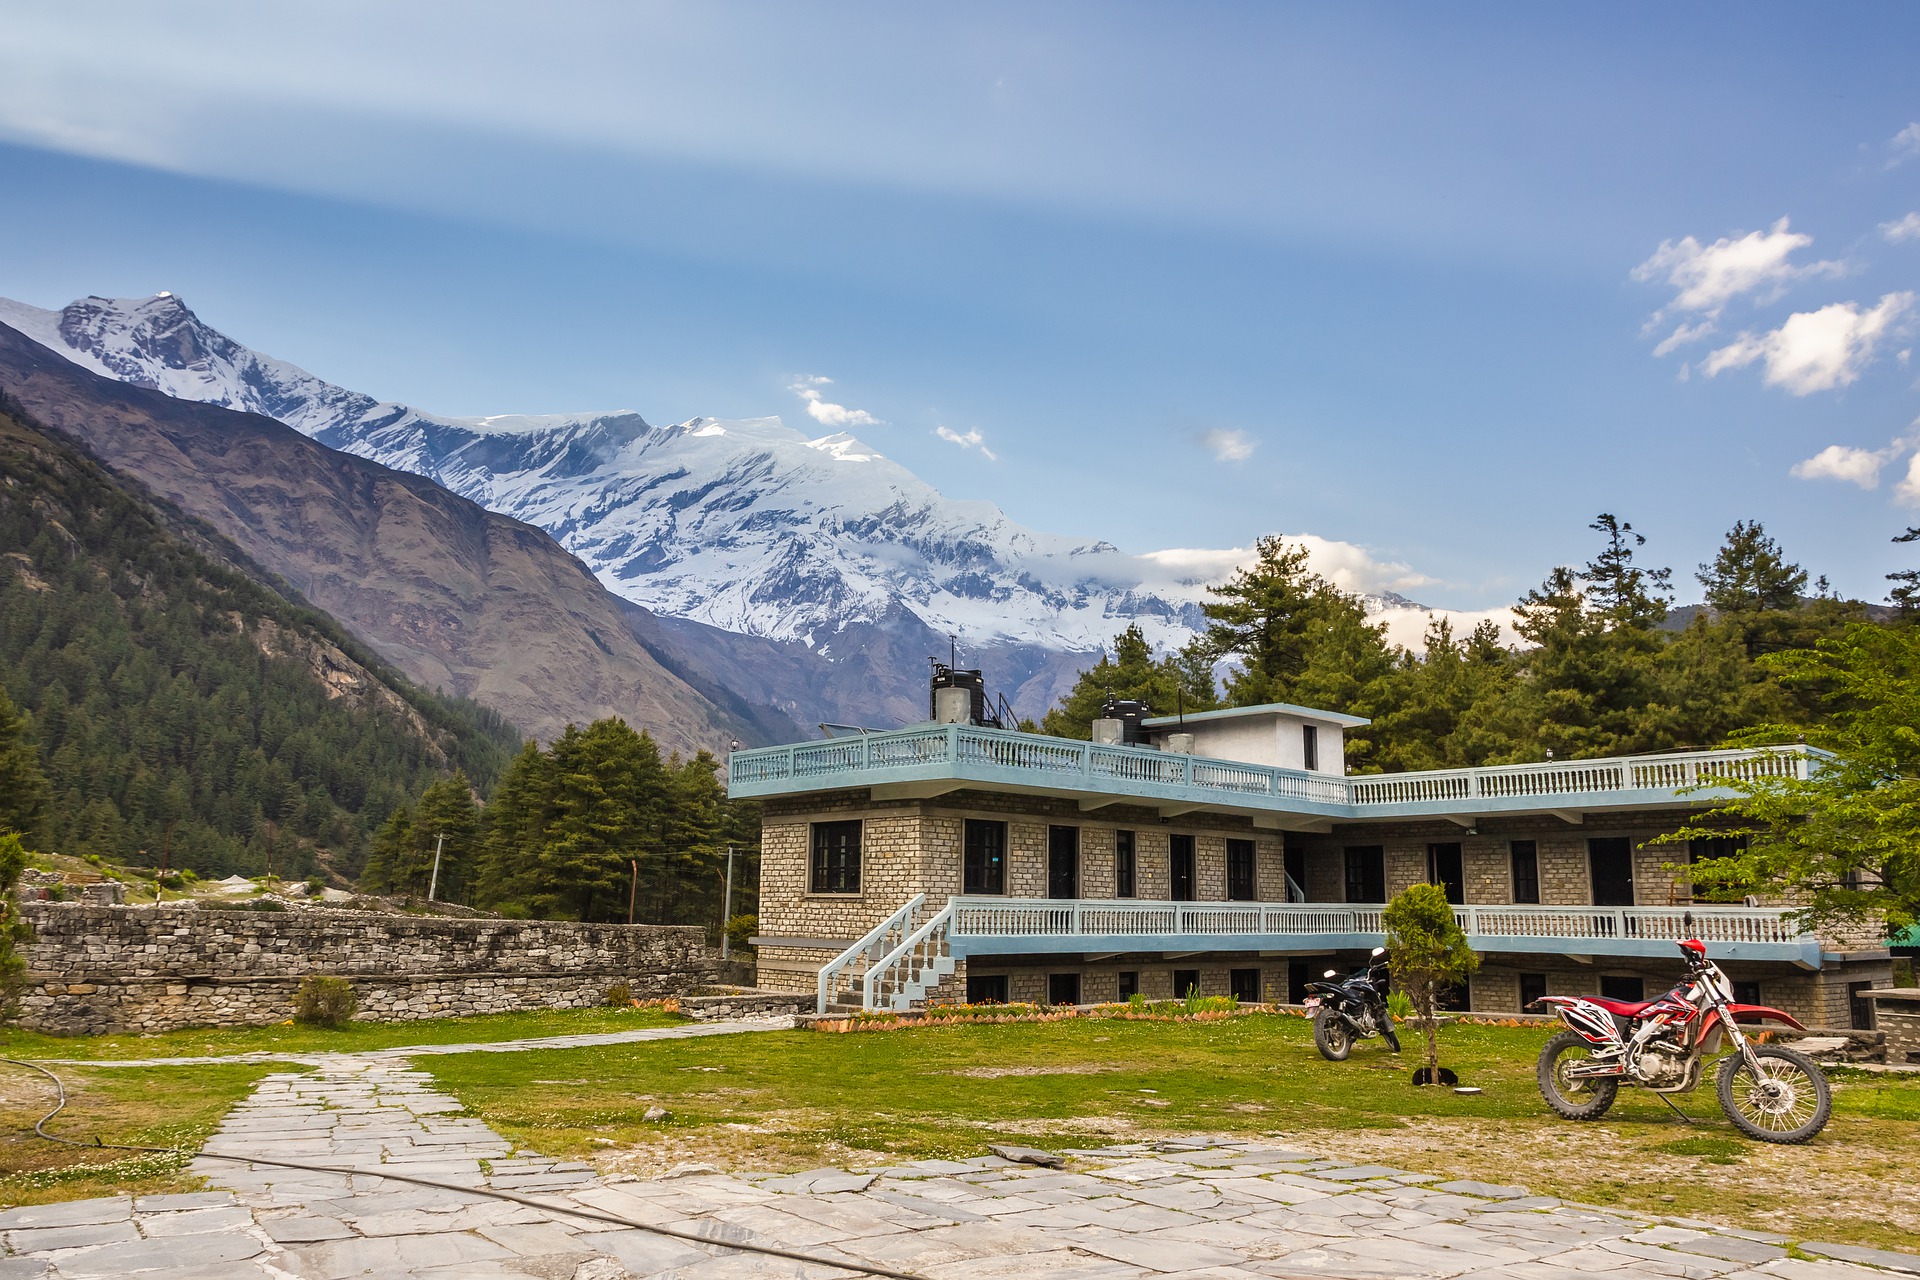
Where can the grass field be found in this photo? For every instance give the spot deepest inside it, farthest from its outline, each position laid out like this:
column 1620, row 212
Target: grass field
column 801, row 1099
column 355, row 1038
column 160, row 1107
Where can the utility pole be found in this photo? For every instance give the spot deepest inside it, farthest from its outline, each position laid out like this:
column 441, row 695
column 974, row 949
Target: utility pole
column 726, row 906
column 633, row 889
column 433, row 885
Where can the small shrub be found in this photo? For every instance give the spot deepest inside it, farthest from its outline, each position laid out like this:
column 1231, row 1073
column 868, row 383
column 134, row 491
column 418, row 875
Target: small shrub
column 619, row 996
column 173, row 882
column 316, row 886
column 739, row 929
column 1197, row 1004
column 252, row 904
column 1137, row 1003
column 324, row 1002
column 1400, row 1005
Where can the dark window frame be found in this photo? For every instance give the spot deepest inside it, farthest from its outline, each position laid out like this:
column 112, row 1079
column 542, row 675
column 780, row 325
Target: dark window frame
column 1183, row 868
column 1063, row 842
column 830, row 870
column 1241, row 988
column 1370, row 863
column 1181, row 989
column 1126, row 880
column 1532, row 987
column 1523, row 857
column 979, row 985
column 1243, row 877
column 1055, row 984
column 1310, row 747
column 1438, row 856
column 1129, row 983
column 990, row 869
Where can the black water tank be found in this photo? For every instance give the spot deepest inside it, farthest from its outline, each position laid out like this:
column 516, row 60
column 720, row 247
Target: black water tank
column 1129, row 712
column 946, row 677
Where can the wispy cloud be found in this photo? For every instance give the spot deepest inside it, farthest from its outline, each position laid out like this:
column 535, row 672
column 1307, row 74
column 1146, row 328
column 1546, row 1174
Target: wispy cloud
column 1901, row 229
column 1904, row 145
column 1846, row 463
column 970, row 439
column 825, row 411
column 1815, row 350
column 1756, row 266
column 1228, row 446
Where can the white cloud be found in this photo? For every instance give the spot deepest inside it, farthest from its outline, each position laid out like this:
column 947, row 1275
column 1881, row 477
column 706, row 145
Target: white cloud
column 1905, row 145
column 1900, row 229
column 971, row 439
column 1682, row 335
column 1710, row 276
column 1815, row 350
column 1228, row 446
column 1845, row 463
column 1907, row 492
column 825, row 411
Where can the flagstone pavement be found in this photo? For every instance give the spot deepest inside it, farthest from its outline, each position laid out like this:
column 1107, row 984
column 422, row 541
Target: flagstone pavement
column 1195, row 1209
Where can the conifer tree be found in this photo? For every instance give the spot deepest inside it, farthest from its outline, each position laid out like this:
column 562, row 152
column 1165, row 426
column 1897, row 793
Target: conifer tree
column 1182, row 680
column 23, row 785
column 1749, row 574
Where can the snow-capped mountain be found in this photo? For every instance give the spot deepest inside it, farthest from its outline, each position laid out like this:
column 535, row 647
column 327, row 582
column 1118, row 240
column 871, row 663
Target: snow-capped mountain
column 749, row 526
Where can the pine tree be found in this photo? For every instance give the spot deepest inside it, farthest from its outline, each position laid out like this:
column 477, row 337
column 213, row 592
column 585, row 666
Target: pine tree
column 1750, row 575
column 23, row 784
column 1620, row 591
column 1264, row 616
column 1178, row 681
column 1905, row 597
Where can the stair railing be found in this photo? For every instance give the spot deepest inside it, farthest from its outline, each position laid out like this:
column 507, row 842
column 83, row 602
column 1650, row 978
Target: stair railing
column 899, row 977
column 879, row 941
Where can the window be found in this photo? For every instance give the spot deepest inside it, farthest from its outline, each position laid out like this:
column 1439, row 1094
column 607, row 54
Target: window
column 836, row 857
column 1240, row 870
column 1746, row 993
column 1129, row 983
column 1859, row 1008
column 1366, row 874
column 1123, row 881
column 1186, row 982
column 1180, row 855
column 1532, row 987
column 1310, row 748
column 987, row 988
column 984, row 857
column 1526, row 871
column 1063, row 862
column 1063, row 988
column 1717, row 847
column 1610, row 858
column 1244, row 985
column 1304, row 969
column 1621, row 988
column 1443, row 869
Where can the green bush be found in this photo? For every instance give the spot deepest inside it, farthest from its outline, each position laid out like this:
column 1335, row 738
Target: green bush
column 172, row 881
column 618, row 996
column 1137, row 1002
column 739, row 929
column 324, row 1002
column 316, row 886
column 1400, row 1005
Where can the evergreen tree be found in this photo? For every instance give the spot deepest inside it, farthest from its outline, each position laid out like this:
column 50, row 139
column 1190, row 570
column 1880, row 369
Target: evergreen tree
column 1177, row 681
column 1264, row 617
column 23, row 784
column 1905, row 596
column 1621, row 592
column 1750, row 575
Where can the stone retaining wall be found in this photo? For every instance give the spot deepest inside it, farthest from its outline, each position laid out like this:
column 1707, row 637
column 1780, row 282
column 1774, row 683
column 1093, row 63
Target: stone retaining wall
column 94, row 969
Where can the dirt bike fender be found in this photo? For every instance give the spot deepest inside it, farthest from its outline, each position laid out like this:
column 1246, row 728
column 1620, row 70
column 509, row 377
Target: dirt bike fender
column 1763, row 1013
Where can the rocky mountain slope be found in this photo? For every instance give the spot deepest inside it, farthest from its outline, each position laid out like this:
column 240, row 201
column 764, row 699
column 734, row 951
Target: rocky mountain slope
column 453, row 595
column 821, row 545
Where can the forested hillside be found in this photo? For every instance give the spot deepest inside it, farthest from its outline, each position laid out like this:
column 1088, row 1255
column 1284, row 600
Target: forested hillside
column 1598, row 671
column 182, row 706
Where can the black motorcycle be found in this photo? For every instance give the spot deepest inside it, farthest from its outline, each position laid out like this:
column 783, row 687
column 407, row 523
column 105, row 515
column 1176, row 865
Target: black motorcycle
column 1351, row 1008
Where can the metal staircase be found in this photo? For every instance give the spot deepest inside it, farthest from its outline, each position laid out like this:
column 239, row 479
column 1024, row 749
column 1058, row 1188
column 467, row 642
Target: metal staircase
column 894, row 965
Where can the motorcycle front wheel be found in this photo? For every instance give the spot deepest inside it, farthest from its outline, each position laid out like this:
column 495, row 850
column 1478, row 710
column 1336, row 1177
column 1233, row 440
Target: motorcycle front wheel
column 1575, row 1097
column 1787, row 1100
column 1331, row 1035
column 1387, row 1032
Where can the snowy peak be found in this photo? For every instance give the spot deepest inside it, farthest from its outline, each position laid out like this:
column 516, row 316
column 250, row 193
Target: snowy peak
column 747, row 524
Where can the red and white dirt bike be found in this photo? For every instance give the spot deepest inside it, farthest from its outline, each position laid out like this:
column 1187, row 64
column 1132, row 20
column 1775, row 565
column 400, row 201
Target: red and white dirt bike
column 1769, row 1092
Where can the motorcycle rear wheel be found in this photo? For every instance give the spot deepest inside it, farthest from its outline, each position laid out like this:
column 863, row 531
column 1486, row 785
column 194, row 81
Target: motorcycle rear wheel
column 1575, row 1099
column 1332, row 1036
column 1788, row 1102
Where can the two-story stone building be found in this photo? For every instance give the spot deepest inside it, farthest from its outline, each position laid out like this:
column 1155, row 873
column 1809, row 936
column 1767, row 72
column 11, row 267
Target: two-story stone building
column 1230, row 853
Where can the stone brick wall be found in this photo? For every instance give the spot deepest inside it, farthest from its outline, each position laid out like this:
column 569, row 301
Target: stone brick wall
column 145, row 969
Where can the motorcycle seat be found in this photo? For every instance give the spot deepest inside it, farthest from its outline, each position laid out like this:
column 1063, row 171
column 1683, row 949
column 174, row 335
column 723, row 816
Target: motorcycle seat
column 1623, row 1008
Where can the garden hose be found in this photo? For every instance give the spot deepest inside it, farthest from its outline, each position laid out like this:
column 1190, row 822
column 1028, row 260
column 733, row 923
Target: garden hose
column 591, row 1215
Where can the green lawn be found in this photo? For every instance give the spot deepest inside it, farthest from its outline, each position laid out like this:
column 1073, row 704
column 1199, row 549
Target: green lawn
column 159, row 1106
column 287, row 1038
column 798, row 1099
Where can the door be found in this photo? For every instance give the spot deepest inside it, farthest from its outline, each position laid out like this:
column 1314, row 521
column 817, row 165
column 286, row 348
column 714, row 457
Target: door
column 1610, row 859
column 1296, row 862
column 1443, row 869
column 984, row 857
column 1063, row 988
column 1063, row 862
column 1180, row 855
column 1240, row 887
column 1366, row 873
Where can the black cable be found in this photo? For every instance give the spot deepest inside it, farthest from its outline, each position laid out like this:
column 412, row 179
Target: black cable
column 591, row 1215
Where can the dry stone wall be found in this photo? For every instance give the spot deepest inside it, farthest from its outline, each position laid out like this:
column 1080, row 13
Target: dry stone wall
column 146, row 969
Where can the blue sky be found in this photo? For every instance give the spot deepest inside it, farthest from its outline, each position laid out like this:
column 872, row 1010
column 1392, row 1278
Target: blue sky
column 1169, row 275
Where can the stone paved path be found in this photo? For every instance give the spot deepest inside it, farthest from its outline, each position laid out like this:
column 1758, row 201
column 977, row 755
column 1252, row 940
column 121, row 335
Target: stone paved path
column 1201, row 1209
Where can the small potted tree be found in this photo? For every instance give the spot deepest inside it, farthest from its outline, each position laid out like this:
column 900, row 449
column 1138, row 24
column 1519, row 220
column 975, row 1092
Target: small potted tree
column 1429, row 953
